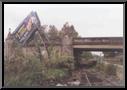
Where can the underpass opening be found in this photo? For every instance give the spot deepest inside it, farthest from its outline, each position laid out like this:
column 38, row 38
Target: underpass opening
column 87, row 57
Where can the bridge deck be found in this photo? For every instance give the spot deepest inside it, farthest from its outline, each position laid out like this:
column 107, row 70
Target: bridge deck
column 98, row 43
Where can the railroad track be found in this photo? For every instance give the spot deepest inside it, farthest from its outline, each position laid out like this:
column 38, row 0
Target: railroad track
column 91, row 82
column 88, row 78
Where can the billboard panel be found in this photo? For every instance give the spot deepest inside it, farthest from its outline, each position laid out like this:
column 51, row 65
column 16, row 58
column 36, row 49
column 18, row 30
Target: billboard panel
column 25, row 29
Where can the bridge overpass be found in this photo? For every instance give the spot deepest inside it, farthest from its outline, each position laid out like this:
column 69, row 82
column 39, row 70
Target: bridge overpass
column 98, row 43
column 92, row 43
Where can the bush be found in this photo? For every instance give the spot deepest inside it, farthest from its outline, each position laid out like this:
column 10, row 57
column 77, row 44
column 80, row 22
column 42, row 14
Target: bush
column 60, row 61
column 110, row 69
column 25, row 71
column 86, row 55
column 107, row 68
column 28, row 70
column 31, row 70
column 54, row 73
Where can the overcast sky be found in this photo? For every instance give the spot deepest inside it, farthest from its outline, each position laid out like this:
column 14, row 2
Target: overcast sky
column 89, row 20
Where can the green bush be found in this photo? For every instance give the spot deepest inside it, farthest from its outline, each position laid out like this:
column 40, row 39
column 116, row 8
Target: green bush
column 54, row 73
column 108, row 69
column 25, row 71
column 87, row 55
column 29, row 70
column 60, row 61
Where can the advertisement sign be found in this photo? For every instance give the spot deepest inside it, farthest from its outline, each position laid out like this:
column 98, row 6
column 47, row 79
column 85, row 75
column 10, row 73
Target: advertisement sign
column 25, row 29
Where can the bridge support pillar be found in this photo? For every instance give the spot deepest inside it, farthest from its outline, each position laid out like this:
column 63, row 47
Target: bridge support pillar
column 77, row 58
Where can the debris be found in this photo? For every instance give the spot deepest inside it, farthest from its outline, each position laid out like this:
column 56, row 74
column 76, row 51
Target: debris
column 61, row 84
column 74, row 83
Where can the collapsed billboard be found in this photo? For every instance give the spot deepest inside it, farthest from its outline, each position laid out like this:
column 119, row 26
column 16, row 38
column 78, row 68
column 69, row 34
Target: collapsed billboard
column 27, row 28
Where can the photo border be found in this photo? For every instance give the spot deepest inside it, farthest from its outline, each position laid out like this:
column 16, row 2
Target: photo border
column 3, row 3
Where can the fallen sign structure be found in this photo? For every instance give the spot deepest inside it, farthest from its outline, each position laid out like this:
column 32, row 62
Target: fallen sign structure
column 27, row 28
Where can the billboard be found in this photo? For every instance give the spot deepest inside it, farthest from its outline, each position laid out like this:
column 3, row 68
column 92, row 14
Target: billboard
column 27, row 28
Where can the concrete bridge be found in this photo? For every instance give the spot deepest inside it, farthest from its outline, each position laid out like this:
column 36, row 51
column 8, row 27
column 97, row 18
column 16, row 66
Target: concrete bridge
column 76, row 46
column 103, row 44
column 91, row 43
column 98, row 43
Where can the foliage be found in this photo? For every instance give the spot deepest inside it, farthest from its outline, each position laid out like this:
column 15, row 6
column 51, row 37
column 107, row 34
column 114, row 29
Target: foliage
column 86, row 55
column 26, row 71
column 53, row 32
column 54, row 73
column 108, row 69
column 58, row 59
column 68, row 30
column 33, row 70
